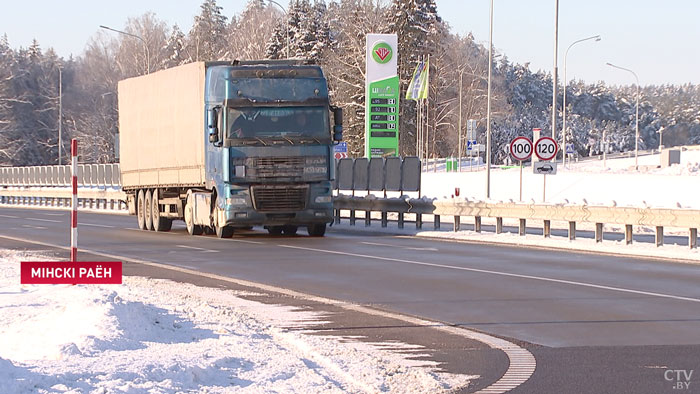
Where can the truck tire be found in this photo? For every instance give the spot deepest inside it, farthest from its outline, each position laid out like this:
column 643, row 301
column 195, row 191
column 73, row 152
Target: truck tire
column 224, row 231
column 147, row 210
column 316, row 230
column 159, row 223
column 221, row 231
column 192, row 229
column 290, row 230
column 274, row 230
column 140, row 210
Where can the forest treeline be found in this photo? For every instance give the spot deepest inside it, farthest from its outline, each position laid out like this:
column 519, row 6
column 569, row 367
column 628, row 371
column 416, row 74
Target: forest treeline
column 333, row 35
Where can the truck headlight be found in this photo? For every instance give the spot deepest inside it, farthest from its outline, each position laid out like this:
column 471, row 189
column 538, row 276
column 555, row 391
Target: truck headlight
column 323, row 199
column 235, row 201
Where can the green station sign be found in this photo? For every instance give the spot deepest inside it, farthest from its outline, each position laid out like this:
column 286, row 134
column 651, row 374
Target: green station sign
column 382, row 103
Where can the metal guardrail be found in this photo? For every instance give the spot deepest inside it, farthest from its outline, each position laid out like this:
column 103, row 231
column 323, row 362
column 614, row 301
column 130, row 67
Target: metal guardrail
column 100, row 175
column 599, row 215
column 60, row 197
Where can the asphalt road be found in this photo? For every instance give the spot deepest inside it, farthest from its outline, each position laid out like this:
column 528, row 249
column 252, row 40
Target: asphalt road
column 594, row 323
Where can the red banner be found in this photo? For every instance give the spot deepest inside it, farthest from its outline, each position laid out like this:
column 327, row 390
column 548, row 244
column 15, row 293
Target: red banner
column 67, row 272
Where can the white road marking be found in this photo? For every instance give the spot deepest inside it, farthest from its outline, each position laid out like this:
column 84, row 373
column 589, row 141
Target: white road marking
column 483, row 271
column 94, row 225
column 246, row 241
column 45, row 220
column 9, row 216
column 399, row 247
column 35, row 227
column 52, row 214
column 200, row 249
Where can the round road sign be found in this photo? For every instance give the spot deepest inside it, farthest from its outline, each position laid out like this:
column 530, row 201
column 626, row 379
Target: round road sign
column 546, row 148
column 521, row 148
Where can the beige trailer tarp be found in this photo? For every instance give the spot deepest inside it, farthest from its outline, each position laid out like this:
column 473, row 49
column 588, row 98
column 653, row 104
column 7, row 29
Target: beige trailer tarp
column 161, row 128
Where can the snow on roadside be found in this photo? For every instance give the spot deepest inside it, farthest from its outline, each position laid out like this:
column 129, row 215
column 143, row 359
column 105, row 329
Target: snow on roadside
column 586, row 181
column 161, row 336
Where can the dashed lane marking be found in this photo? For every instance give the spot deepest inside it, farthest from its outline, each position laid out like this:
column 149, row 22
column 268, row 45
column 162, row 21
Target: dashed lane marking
column 196, row 248
column 34, row 227
column 45, row 220
column 400, row 247
column 95, row 225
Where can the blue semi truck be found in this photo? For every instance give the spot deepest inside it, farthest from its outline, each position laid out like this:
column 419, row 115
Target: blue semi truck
column 227, row 145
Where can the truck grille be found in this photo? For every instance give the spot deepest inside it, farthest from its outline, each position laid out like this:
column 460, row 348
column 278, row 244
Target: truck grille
column 279, row 198
column 276, row 167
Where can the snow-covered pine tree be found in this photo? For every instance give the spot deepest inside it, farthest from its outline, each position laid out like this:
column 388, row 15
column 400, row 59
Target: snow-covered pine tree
column 174, row 51
column 207, row 39
column 308, row 29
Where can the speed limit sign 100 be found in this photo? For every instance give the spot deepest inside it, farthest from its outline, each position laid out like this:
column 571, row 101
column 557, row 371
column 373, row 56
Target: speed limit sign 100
column 546, row 148
column 521, row 148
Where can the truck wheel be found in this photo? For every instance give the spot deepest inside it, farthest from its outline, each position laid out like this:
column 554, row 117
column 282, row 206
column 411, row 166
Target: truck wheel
column 290, row 230
column 147, row 210
column 140, row 210
column 221, row 231
column 224, row 232
column 316, row 230
column 159, row 223
column 274, row 230
column 192, row 229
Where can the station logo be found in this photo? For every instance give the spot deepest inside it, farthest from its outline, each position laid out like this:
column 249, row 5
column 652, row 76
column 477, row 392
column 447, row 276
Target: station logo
column 382, row 52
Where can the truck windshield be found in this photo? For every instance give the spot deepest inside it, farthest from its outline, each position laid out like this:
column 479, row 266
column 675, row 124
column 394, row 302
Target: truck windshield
column 290, row 123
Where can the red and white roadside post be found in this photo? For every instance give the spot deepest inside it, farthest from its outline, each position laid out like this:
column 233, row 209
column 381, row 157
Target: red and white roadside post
column 74, row 201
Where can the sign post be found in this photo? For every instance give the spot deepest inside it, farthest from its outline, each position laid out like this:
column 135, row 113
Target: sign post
column 545, row 149
column 521, row 150
column 382, row 93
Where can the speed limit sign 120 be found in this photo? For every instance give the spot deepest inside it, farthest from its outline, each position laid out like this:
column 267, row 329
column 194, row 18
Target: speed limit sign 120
column 521, row 148
column 546, row 148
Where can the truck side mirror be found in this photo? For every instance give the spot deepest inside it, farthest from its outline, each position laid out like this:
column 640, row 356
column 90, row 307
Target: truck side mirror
column 214, row 125
column 337, row 123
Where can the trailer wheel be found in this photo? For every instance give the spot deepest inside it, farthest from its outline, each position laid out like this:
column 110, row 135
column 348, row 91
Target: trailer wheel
column 316, row 230
column 147, row 210
column 140, row 210
column 192, row 229
column 290, row 230
column 159, row 223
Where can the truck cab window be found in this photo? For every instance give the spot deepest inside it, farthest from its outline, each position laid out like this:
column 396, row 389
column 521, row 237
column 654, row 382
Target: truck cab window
column 278, row 122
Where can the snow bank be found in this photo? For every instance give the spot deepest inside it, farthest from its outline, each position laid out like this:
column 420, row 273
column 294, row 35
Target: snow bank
column 618, row 181
column 161, row 336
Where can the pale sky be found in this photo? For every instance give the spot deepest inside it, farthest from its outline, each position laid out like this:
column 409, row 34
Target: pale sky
column 659, row 40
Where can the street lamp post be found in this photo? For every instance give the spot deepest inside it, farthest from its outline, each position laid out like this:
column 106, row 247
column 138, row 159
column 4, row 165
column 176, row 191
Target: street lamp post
column 60, row 111
column 563, row 129
column 145, row 46
column 554, row 74
column 287, row 16
column 488, row 107
column 459, row 125
column 636, row 135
